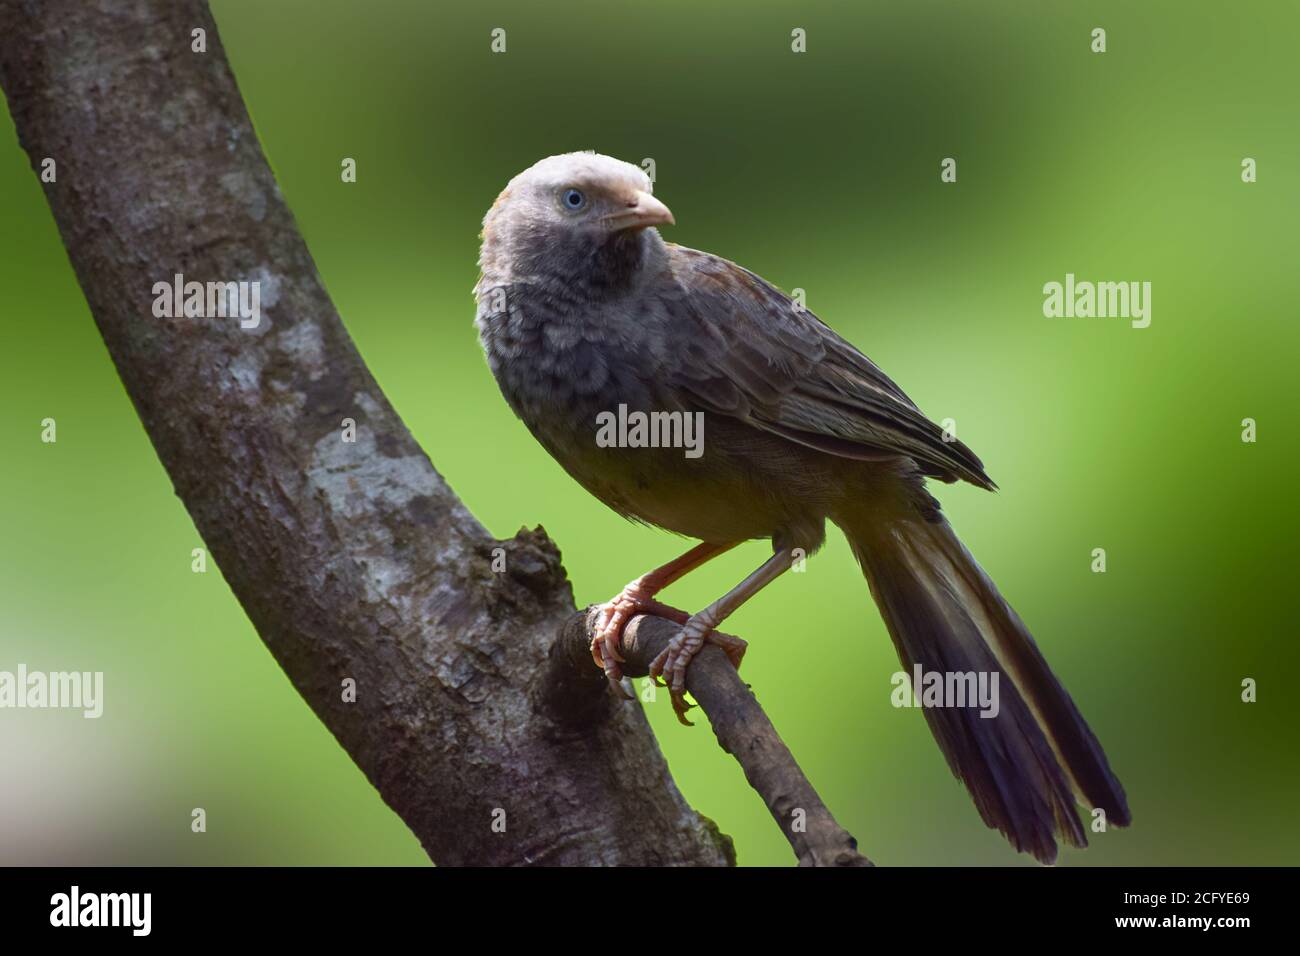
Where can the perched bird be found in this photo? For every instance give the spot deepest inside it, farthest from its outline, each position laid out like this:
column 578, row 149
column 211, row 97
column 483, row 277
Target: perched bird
column 584, row 311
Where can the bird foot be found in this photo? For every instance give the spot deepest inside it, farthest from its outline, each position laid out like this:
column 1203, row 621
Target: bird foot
column 681, row 650
column 613, row 619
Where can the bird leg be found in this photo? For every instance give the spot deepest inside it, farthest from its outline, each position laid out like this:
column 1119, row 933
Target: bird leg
column 674, row 659
column 639, row 598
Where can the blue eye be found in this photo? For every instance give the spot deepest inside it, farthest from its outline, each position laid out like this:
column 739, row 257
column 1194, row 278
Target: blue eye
column 573, row 199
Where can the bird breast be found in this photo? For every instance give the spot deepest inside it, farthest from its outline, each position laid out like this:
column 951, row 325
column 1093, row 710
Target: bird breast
column 583, row 380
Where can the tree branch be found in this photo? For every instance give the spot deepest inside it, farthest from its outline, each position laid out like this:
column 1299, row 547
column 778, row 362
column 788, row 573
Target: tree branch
column 739, row 722
column 353, row 559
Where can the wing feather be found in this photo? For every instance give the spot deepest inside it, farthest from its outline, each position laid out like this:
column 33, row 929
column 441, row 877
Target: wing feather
column 754, row 355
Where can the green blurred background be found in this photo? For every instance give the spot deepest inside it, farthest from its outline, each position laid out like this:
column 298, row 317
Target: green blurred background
column 818, row 171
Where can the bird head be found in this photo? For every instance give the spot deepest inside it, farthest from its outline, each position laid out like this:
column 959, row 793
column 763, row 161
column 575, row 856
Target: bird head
column 570, row 214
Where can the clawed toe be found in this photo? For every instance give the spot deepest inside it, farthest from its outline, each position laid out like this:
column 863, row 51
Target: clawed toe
column 671, row 663
column 668, row 669
column 731, row 645
column 612, row 621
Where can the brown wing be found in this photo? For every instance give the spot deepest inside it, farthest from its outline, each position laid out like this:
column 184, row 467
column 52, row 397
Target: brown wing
column 755, row 356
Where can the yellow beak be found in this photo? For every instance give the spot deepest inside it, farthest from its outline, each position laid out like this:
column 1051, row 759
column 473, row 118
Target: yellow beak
column 641, row 210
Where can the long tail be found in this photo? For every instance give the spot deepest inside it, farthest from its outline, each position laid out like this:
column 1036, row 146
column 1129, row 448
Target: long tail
column 1027, row 766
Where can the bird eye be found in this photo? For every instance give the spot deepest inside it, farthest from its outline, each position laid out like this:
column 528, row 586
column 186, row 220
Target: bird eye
column 573, row 199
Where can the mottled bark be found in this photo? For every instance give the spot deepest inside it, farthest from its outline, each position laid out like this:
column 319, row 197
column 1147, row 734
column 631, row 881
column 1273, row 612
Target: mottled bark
column 476, row 703
column 353, row 560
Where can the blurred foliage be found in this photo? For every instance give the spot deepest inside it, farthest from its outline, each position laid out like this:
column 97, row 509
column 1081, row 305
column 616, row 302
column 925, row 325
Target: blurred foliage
column 818, row 171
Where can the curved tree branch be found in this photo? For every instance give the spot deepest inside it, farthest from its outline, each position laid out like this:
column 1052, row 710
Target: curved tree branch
column 742, row 728
column 353, row 559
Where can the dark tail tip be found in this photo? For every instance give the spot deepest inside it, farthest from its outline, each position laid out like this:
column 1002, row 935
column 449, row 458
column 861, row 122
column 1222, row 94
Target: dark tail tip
column 1033, row 759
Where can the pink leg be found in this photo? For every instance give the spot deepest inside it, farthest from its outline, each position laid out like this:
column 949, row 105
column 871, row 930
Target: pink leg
column 639, row 598
column 675, row 658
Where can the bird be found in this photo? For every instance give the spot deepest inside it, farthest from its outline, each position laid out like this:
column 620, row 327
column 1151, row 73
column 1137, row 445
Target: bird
column 584, row 311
